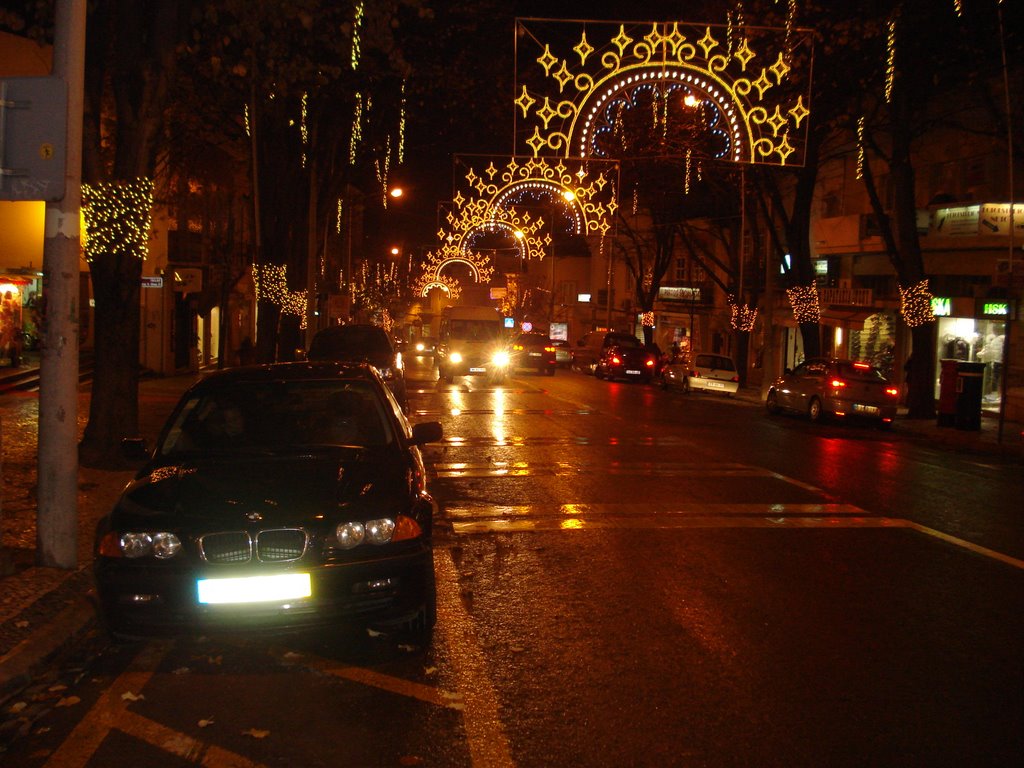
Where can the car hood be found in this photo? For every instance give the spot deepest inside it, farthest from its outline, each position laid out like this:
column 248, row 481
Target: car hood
column 270, row 489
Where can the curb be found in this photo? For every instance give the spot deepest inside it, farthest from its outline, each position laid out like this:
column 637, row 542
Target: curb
column 34, row 654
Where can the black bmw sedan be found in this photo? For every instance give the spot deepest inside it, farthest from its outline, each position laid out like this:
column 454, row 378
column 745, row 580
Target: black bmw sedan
column 280, row 497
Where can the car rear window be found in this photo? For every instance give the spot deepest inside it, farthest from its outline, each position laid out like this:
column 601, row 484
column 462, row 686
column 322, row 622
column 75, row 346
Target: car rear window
column 349, row 340
column 716, row 362
column 623, row 340
column 859, row 372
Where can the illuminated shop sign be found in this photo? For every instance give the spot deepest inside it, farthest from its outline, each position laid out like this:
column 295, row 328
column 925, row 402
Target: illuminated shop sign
column 997, row 309
column 678, row 293
column 941, row 307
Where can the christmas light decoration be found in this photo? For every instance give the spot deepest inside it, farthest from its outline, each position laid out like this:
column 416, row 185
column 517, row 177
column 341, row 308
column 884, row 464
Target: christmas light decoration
column 860, row 148
column 304, row 127
column 742, row 316
column 890, row 65
column 357, row 130
column 271, row 284
column 647, row 319
column 117, row 218
column 804, row 301
column 916, row 304
column 357, row 23
column 566, row 101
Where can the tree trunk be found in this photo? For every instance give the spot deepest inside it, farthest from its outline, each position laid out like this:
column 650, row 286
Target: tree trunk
column 114, row 404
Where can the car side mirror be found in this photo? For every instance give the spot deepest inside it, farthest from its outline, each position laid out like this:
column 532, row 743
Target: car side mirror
column 426, row 432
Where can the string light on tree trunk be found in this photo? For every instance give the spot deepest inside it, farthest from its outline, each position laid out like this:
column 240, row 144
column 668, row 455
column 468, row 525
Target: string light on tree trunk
column 117, row 218
column 916, row 304
column 804, row 301
column 742, row 316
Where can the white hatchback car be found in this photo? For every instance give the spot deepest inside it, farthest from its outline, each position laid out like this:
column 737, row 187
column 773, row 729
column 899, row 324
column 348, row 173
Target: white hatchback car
column 704, row 372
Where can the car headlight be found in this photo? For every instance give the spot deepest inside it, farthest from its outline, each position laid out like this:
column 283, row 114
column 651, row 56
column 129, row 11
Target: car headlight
column 500, row 359
column 379, row 531
column 420, row 346
column 165, row 545
column 135, row 544
column 350, row 535
column 456, row 357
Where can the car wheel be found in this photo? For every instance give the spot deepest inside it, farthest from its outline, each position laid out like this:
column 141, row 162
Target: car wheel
column 772, row 402
column 686, row 385
column 598, row 373
column 420, row 629
column 814, row 410
column 549, row 371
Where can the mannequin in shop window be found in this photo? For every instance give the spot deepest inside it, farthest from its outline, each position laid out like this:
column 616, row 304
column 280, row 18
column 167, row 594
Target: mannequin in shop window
column 991, row 353
column 956, row 348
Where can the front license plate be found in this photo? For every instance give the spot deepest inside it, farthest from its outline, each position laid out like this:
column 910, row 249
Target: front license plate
column 254, row 589
column 631, row 372
column 478, row 370
column 871, row 410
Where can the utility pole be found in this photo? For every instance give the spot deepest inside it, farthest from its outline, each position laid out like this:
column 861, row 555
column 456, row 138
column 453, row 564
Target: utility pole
column 57, row 517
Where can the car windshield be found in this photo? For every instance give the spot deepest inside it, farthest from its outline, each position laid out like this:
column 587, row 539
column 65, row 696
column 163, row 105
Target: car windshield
column 475, row 330
column 273, row 415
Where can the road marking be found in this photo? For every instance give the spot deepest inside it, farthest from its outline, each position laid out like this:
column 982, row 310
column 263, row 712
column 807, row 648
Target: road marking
column 488, row 744
column 368, row 677
column 111, row 712
column 483, row 519
column 562, row 469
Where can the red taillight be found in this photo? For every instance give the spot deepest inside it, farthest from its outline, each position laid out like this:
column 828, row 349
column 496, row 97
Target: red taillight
column 616, row 360
column 862, row 366
column 892, row 391
column 650, row 362
column 694, row 374
column 837, row 383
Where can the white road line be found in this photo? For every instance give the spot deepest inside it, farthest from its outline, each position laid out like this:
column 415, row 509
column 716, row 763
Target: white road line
column 488, row 745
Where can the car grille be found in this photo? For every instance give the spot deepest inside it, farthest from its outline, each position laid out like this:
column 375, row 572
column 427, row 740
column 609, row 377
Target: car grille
column 279, row 545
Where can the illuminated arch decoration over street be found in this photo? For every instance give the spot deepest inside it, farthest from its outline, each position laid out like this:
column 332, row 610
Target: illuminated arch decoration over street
column 448, row 254
column 746, row 78
column 494, row 189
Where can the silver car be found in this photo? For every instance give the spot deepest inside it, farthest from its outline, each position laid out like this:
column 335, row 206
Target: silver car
column 821, row 387
column 703, row 373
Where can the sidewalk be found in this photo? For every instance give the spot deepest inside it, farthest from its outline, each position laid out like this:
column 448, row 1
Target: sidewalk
column 43, row 610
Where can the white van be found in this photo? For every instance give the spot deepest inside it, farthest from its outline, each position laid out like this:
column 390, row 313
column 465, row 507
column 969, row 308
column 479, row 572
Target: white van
column 472, row 341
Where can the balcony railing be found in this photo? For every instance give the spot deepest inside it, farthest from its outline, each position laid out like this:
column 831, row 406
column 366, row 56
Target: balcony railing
column 846, row 297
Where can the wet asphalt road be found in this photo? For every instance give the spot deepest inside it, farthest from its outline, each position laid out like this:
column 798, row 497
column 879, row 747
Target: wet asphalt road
column 626, row 577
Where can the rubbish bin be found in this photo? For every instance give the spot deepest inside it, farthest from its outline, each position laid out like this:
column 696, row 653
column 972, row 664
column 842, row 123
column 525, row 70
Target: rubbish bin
column 947, row 392
column 969, row 378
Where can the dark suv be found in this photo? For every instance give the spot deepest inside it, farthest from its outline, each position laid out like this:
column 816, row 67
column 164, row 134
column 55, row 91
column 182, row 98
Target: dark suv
column 625, row 357
column 358, row 342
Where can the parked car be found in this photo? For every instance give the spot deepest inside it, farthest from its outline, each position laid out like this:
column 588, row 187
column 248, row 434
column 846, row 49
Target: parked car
column 563, row 352
column 533, row 351
column 278, row 497
column 626, row 358
column 821, row 387
column 702, row 373
column 357, row 342
column 591, row 347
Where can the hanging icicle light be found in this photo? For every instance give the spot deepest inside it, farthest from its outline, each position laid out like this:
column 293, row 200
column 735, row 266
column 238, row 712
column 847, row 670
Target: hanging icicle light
column 686, row 175
column 890, row 66
column 304, row 126
column 958, row 7
column 357, row 130
column 357, row 23
column 860, row 147
column 401, row 128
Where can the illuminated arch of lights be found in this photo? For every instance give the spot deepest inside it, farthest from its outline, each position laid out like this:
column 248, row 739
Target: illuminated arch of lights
column 584, row 191
column 764, row 109
column 449, row 285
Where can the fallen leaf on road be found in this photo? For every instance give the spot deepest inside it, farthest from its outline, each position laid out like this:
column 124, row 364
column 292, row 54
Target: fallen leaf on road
column 68, row 701
column 21, row 624
column 205, row 723
column 57, row 687
column 256, row 733
column 129, row 696
column 181, row 671
column 16, row 708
